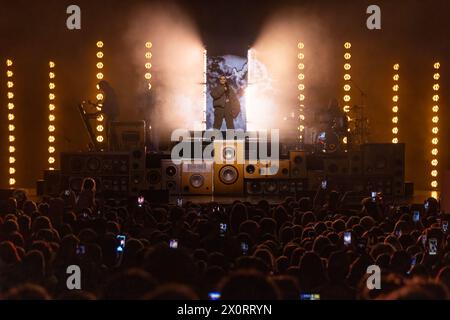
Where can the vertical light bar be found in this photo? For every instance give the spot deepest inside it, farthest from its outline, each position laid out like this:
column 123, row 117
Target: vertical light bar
column 347, row 78
column 100, row 118
column 205, row 87
column 395, row 109
column 11, row 125
column 301, row 89
column 148, row 64
column 51, row 116
column 435, row 128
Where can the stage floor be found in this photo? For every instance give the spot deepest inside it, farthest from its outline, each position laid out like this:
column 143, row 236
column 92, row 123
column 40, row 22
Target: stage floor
column 418, row 198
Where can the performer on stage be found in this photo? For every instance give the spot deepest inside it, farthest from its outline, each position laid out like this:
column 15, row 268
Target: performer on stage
column 226, row 104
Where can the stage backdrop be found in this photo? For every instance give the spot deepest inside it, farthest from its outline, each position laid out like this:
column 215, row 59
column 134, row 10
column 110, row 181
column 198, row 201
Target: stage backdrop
column 235, row 69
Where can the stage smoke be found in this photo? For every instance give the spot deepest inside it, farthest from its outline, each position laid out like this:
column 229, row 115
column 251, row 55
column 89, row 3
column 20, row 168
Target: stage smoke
column 177, row 65
column 277, row 50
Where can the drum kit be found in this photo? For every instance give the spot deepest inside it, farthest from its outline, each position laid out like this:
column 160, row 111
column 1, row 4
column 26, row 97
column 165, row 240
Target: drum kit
column 331, row 133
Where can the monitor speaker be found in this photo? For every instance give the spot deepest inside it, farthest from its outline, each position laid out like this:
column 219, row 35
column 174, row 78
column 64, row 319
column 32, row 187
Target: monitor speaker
column 171, row 176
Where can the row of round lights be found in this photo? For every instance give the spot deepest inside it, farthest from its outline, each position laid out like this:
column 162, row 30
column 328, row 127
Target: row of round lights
column 301, row 89
column 51, row 116
column 148, row 64
column 100, row 75
column 395, row 109
column 11, row 126
column 435, row 127
column 347, row 83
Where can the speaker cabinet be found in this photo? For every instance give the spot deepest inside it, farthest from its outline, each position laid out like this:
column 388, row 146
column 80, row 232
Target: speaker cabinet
column 229, row 152
column 254, row 187
column 197, row 178
column 52, row 182
column 171, row 176
column 110, row 170
column 278, row 171
column 253, row 170
column 298, row 164
column 271, row 187
column 355, row 162
column 385, row 162
column 336, row 165
column 138, row 181
column 228, row 178
column 127, row 136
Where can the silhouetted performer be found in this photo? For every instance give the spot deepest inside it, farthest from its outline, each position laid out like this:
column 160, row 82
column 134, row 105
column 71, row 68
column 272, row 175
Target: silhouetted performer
column 226, row 104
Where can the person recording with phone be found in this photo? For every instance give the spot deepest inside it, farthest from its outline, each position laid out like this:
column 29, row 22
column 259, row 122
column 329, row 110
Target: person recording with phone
column 226, row 104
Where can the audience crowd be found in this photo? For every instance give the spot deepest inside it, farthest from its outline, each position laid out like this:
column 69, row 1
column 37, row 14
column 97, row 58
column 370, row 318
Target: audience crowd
column 263, row 251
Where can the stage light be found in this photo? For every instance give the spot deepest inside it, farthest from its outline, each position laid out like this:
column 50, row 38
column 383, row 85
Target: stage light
column 301, row 88
column 100, row 139
column 100, row 128
column 51, row 86
column 51, row 96
column 51, row 107
column 51, row 139
column 51, row 75
column 395, row 98
column 51, row 160
column 11, row 118
column 347, row 85
column 100, row 76
column 435, row 127
column 148, row 65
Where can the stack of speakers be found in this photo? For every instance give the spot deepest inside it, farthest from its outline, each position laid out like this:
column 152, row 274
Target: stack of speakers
column 375, row 167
